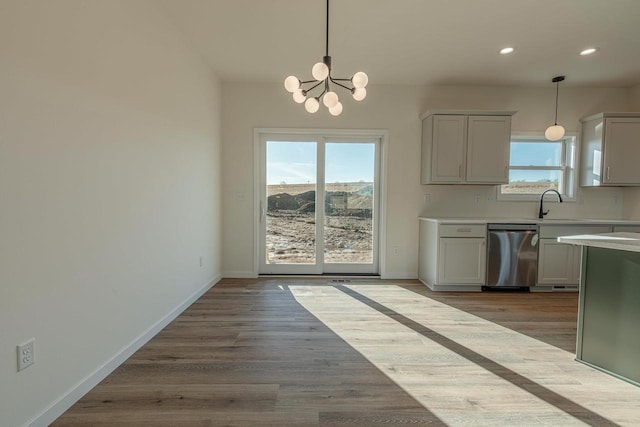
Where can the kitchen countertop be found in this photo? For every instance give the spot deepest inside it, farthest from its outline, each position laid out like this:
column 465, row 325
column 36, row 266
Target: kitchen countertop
column 551, row 221
column 619, row 241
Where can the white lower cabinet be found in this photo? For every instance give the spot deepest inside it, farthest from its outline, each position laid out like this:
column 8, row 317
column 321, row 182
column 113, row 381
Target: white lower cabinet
column 559, row 263
column 462, row 261
column 452, row 256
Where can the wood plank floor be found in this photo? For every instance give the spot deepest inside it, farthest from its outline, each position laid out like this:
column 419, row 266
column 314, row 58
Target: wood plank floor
column 306, row 352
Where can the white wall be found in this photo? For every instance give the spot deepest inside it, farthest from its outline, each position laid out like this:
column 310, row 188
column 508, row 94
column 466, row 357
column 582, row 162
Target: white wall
column 632, row 195
column 397, row 109
column 249, row 106
column 109, row 187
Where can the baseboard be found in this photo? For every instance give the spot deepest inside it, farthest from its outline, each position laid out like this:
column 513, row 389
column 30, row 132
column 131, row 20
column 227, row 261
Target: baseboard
column 539, row 288
column 56, row 409
column 399, row 276
column 452, row 288
column 567, row 288
column 239, row 274
column 253, row 275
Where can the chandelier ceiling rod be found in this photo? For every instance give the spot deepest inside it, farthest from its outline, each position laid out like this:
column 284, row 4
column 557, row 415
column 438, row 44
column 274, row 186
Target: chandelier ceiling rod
column 327, row 32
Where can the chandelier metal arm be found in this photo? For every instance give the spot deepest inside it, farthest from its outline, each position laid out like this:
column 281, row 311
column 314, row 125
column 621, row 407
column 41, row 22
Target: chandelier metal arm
column 335, row 81
column 315, row 85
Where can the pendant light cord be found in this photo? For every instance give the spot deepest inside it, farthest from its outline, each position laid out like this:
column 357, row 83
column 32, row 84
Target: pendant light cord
column 557, row 89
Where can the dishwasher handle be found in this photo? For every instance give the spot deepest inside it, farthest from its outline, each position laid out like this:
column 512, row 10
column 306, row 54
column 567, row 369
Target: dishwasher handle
column 512, row 227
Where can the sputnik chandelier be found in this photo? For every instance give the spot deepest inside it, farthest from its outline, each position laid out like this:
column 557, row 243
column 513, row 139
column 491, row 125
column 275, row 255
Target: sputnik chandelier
column 321, row 72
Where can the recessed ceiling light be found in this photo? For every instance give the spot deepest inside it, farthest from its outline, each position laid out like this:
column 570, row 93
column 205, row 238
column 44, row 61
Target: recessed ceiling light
column 589, row 51
column 507, row 50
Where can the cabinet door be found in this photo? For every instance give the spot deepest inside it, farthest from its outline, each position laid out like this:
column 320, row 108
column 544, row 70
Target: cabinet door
column 488, row 143
column 621, row 151
column 447, row 159
column 462, row 260
column 558, row 263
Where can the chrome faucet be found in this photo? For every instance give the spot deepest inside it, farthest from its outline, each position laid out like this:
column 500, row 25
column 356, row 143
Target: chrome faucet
column 541, row 212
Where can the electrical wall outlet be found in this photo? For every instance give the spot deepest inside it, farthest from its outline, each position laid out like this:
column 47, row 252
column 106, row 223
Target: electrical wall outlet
column 26, row 354
column 396, row 251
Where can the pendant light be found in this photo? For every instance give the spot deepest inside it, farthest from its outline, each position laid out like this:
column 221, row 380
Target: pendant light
column 555, row 132
column 322, row 80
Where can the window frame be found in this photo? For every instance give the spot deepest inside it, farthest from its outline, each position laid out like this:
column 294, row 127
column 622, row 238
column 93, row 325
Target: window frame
column 568, row 167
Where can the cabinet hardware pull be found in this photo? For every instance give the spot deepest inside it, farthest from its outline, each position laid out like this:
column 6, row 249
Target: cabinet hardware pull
column 608, row 172
column 464, row 230
column 459, row 171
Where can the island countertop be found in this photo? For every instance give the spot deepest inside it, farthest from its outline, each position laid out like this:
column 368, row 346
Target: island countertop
column 620, row 241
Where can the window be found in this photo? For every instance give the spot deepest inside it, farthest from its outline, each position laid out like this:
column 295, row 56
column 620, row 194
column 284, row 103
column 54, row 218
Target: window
column 536, row 164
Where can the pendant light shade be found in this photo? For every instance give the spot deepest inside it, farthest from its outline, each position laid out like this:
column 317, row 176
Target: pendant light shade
column 291, row 84
column 299, row 96
column 322, row 81
column 359, row 93
column 336, row 110
column 320, row 71
column 312, row 105
column 360, row 79
column 556, row 131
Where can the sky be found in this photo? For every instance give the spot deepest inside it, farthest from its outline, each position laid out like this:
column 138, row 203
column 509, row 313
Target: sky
column 532, row 154
column 295, row 162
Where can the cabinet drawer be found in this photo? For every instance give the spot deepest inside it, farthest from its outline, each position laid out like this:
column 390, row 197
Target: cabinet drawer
column 553, row 231
column 462, row 230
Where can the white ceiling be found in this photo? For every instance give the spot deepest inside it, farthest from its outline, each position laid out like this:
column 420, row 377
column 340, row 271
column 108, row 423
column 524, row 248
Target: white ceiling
column 418, row 41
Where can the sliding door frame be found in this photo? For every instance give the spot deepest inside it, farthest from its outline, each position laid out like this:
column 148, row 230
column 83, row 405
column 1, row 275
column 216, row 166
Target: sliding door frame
column 261, row 135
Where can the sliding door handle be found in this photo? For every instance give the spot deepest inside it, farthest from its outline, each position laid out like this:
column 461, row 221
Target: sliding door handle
column 261, row 212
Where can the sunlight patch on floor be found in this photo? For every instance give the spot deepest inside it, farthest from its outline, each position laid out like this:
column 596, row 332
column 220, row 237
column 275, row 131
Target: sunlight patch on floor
column 453, row 387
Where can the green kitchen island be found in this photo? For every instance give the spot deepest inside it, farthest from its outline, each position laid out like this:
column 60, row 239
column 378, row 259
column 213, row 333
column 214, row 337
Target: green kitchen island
column 609, row 312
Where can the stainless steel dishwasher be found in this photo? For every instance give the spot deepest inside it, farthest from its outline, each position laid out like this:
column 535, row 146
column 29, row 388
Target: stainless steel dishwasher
column 512, row 256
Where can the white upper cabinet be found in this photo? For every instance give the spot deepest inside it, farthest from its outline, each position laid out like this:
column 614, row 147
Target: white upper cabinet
column 447, row 153
column 610, row 150
column 488, row 148
column 461, row 147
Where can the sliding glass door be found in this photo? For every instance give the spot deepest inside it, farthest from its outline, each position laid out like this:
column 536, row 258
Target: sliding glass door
column 319, row 204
